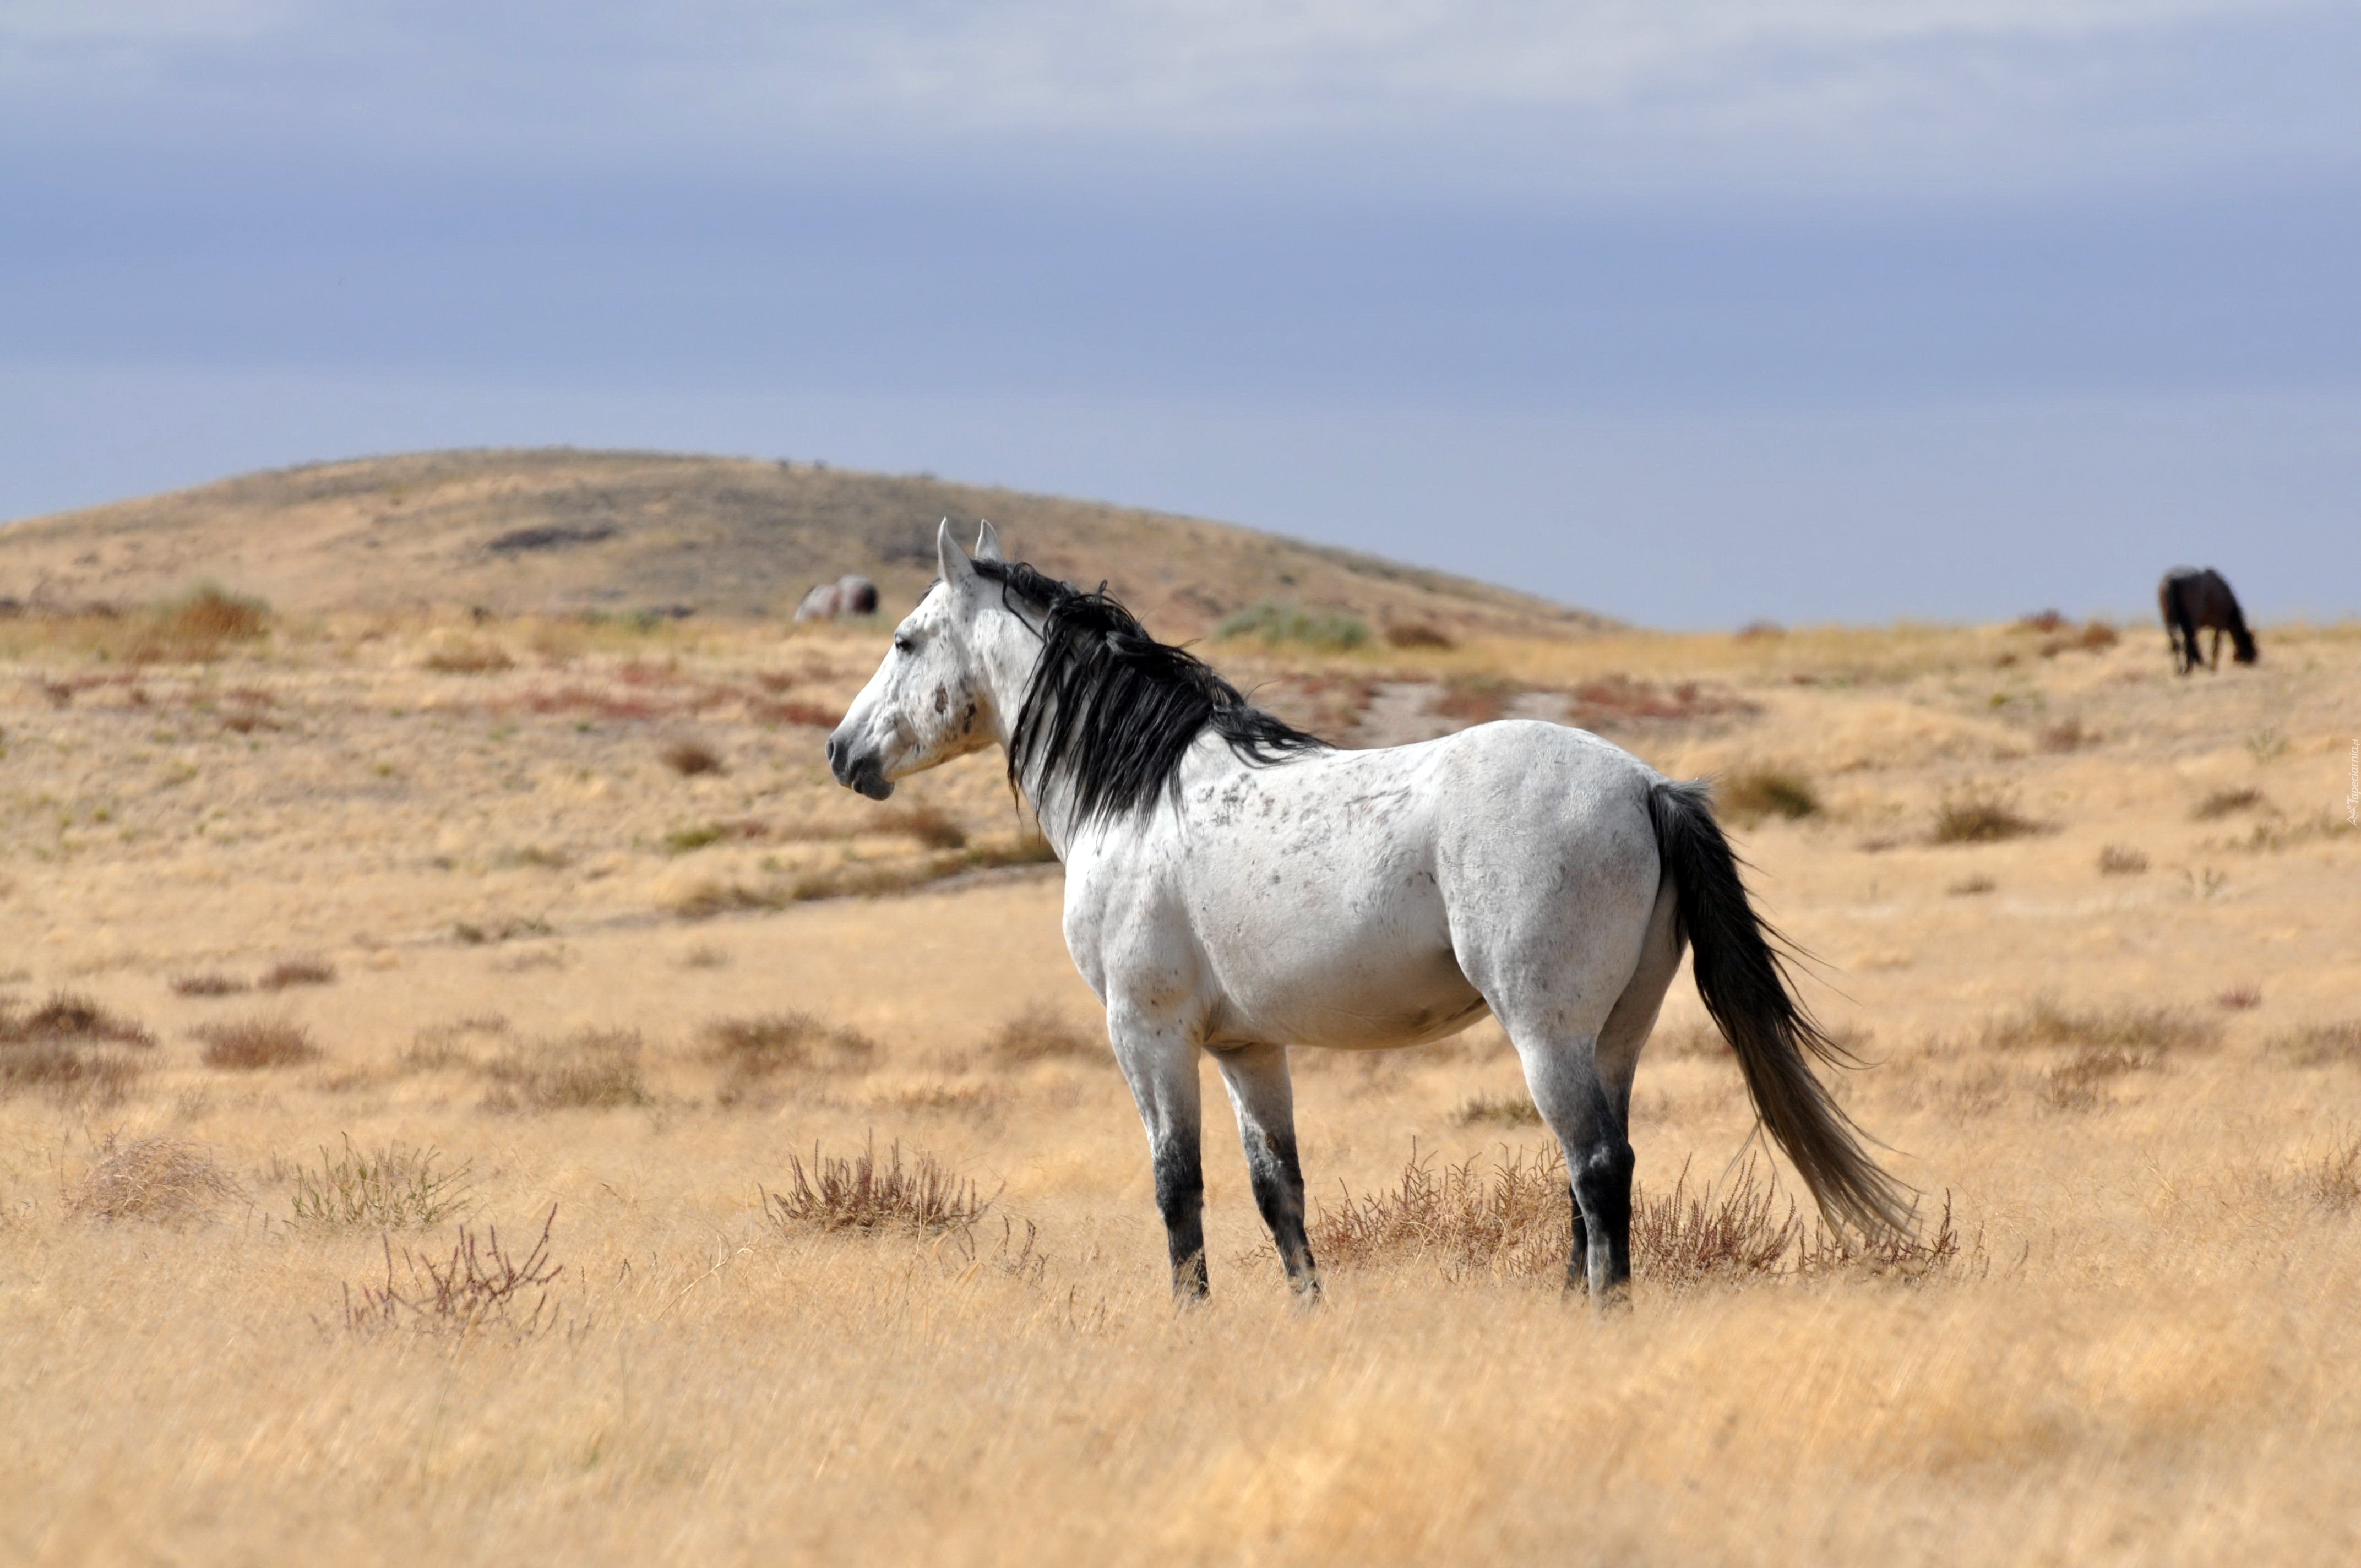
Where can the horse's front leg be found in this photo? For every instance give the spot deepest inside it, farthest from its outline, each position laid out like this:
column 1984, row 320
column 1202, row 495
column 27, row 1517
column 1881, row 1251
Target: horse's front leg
column 1160, row 1063
column 1264, row 1100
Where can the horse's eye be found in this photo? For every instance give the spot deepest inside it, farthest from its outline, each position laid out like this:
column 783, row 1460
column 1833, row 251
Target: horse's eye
column 902, row 644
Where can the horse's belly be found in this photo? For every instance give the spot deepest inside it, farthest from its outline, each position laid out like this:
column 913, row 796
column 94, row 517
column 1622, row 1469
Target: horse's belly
column 1326, row 962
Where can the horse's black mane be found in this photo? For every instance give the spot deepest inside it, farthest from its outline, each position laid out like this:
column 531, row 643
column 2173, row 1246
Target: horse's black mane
column 1111, row 711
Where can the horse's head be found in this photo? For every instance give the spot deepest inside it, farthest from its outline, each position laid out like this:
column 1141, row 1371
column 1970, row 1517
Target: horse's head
column 929, row 701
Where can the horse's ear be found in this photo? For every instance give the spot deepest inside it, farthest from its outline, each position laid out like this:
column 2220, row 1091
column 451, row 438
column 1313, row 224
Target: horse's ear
column 957, row 569
column 987, row 543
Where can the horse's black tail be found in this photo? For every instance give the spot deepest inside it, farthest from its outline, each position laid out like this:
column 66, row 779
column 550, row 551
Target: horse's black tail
column 1747, row 991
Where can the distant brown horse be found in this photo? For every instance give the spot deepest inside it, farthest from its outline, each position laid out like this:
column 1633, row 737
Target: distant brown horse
column 2193, row 600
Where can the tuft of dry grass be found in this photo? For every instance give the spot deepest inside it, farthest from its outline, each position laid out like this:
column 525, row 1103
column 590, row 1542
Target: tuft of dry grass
column 1042, row 1033
column 2320, row 1045
column 245, row 1045
column 1980, row 815
column 305, row 971
column 2239, row 999
column 690, row 759
column 2223, row 803
column 2045, row 1021
column 1419, row 634
column 390, row 1187
column 1971, row 886
column 163, row 1179
column 2080, row 1083
column 588, row 1070
column 752, row 1050
column 209, row 982
column 71, row 1049
column 1498, row 1111
column 1752, row 793
column 2333, row 1178
column 929, row 825
column 480, row 1286
column 2119, row 859
column 1514, row 1217
column 469, row 656
column 858, row 1193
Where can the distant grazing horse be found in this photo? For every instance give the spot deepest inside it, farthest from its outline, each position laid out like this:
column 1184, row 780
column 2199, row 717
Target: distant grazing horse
column 1236, row 886
column 849, row 595
column 2193, row 601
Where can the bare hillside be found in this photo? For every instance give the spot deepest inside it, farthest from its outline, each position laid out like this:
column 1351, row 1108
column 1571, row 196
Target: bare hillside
column 563, row 531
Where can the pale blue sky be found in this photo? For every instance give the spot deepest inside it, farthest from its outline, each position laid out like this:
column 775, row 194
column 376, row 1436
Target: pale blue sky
column 1691, row 312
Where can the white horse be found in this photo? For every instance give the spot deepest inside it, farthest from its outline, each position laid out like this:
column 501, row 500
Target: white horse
column 1234, row 885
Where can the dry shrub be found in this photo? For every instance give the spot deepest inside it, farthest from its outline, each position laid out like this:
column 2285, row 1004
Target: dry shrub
column 480, row 1286
column 2041, row 620
column 388, row 1187
column 1760, row 631
column 244, row 1044
column 198, row 626
column 588, row 1070
column 1617, row 698
column 2081, row 1084
column 751, row 1050
column 1980, row 815
column 689, row 759
column 1474, row 699
column 1972, row 886
column 70, row 1047
column 1515, row 1218
column 2320, row 1045
column 2067, row 735
column 442, row 1046
column 1498, row 1110
column 2223, row 803
column 2097, row 635
column 2045, row 1021
column 476, row 934
column 860, row 1194
column 929, row 825
column 2120, row 860
column 707, row 898
column 212, row 982
column 305, row 971
column 1418, row 634
column 1752, row 793
column 165, row 1179
column 2239, row 999
column 1042, row 1033
column 469, row 656
column 2333, row 1180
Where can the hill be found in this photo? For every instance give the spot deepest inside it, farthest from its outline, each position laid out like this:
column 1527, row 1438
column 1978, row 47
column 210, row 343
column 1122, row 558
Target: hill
column 561, row 531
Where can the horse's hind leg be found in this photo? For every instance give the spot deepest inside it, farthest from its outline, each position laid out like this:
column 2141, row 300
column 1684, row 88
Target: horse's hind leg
column 1577, row 1039
column 1264, row 1100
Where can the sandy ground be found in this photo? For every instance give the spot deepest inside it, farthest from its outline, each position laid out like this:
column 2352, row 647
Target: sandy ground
column 2130, row 1083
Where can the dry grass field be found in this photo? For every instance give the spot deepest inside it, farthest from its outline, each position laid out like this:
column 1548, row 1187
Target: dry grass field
column 431, row 1052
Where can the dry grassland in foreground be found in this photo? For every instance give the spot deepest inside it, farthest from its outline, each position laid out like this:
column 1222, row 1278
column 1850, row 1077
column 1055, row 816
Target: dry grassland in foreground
column 329, row 952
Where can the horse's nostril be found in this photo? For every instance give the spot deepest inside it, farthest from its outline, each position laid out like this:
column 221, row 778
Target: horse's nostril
column 835, row 746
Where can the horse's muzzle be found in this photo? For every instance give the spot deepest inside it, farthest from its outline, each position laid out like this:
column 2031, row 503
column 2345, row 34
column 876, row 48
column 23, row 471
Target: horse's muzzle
column 864, row 775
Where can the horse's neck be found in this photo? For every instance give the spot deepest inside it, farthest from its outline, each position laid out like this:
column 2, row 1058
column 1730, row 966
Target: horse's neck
column 1008, row 649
